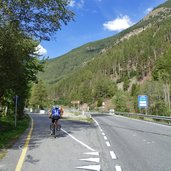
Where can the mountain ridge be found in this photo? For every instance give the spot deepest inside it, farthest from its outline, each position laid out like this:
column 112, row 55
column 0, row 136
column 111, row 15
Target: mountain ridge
column 100, row 69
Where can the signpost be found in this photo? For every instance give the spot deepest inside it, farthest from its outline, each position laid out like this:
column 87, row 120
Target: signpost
column 143, row 102
column 16, row 103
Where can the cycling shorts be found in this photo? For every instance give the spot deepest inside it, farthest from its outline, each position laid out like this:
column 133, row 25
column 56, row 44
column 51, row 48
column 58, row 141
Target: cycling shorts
column 55, row 118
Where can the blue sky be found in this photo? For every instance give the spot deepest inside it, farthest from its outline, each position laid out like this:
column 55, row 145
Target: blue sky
column 95, row 20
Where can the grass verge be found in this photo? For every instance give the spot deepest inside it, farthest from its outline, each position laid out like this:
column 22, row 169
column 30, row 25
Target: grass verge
column 9, row 134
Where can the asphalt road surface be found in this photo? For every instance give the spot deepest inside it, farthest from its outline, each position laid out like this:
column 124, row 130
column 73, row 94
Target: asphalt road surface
column 76, row 147
column 111, row 143
column 137, row 145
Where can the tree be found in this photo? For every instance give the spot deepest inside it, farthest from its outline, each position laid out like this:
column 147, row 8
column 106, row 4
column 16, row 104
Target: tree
column 36, row 18
column 18, row 64
column 21, row 23
column 39, row 96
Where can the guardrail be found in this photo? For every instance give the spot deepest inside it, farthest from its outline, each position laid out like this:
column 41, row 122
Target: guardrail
column 142, row 116
column 154, row 117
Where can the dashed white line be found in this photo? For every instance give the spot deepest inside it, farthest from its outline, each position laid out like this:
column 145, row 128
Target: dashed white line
column 113, row 155
column 107, row 143
column 1, row 166
column 105, row 138
column 101, row 130
column 118, row 168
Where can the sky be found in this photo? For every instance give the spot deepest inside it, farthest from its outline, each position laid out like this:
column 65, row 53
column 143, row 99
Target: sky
column 95, row 20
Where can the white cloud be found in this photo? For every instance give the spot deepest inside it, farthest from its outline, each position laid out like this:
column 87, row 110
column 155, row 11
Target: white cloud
column 72, row 3
column 40, row 50
column 148, row 10
column 79, row 4
column 118, row 24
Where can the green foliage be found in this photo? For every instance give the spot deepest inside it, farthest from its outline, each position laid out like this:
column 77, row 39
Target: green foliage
column 22, row 22
column 36, row 18
column 162, row 69
column 92, row 72
column 134, row 90
column 18, row 66
column 99, row 102
column 104, row 88
column 120, row 100
column 8, row 133
column 39, row 98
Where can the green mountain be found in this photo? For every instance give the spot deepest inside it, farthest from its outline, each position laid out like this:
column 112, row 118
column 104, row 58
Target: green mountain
column 118, row 67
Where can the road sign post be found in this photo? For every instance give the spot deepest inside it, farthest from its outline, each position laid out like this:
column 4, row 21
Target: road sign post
column 16, row 103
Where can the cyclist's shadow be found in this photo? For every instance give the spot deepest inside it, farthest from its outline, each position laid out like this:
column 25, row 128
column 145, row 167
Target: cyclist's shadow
column 57, row 133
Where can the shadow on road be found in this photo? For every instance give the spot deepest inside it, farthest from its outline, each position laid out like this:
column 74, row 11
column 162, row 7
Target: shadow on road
column 41, row 131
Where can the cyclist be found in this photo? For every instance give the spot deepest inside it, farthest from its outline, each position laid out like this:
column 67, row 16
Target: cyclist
column 55, row 116
column 61, row 111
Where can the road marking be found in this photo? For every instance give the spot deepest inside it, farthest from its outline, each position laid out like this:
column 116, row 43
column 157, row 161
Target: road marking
column 101, row 129
column 97, row 160
column 90, row 167
column 118, row 168
column 98, row 125
column 24, row 150
column 107, row 143
column 93, row 153
column 1, row 166
column 112, row 155
column 96, row 122
column 85, row 145
column 105, row 137
column 103, row 133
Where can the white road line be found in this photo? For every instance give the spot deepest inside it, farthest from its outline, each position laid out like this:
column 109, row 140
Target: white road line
column 113, row 155
column 97, row 160
column 96, row 122
column 103, row 133
column 85, row 145
column 1, row 166
column 143, row 121
column 118, row 168
column 105, row 138
column 107, row 143
column 98, row 125
column 90, row 167
column 93, row 153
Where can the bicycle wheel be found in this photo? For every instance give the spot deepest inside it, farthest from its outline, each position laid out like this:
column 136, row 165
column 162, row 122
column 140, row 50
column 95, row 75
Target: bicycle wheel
column 52, row 129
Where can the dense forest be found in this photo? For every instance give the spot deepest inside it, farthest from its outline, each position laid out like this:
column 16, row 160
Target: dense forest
column 118, row 69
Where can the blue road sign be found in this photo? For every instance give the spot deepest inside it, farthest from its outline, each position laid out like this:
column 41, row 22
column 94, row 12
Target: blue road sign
column 142, row 101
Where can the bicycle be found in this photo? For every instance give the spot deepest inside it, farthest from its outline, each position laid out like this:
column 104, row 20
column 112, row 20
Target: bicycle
column 55, row 131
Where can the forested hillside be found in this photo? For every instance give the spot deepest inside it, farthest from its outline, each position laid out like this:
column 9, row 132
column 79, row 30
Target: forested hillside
column 134, row 62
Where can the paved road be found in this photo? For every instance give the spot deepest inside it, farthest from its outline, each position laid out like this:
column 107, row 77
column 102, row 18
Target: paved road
column 78, row 147
column 111, row 143
column 137, row 145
